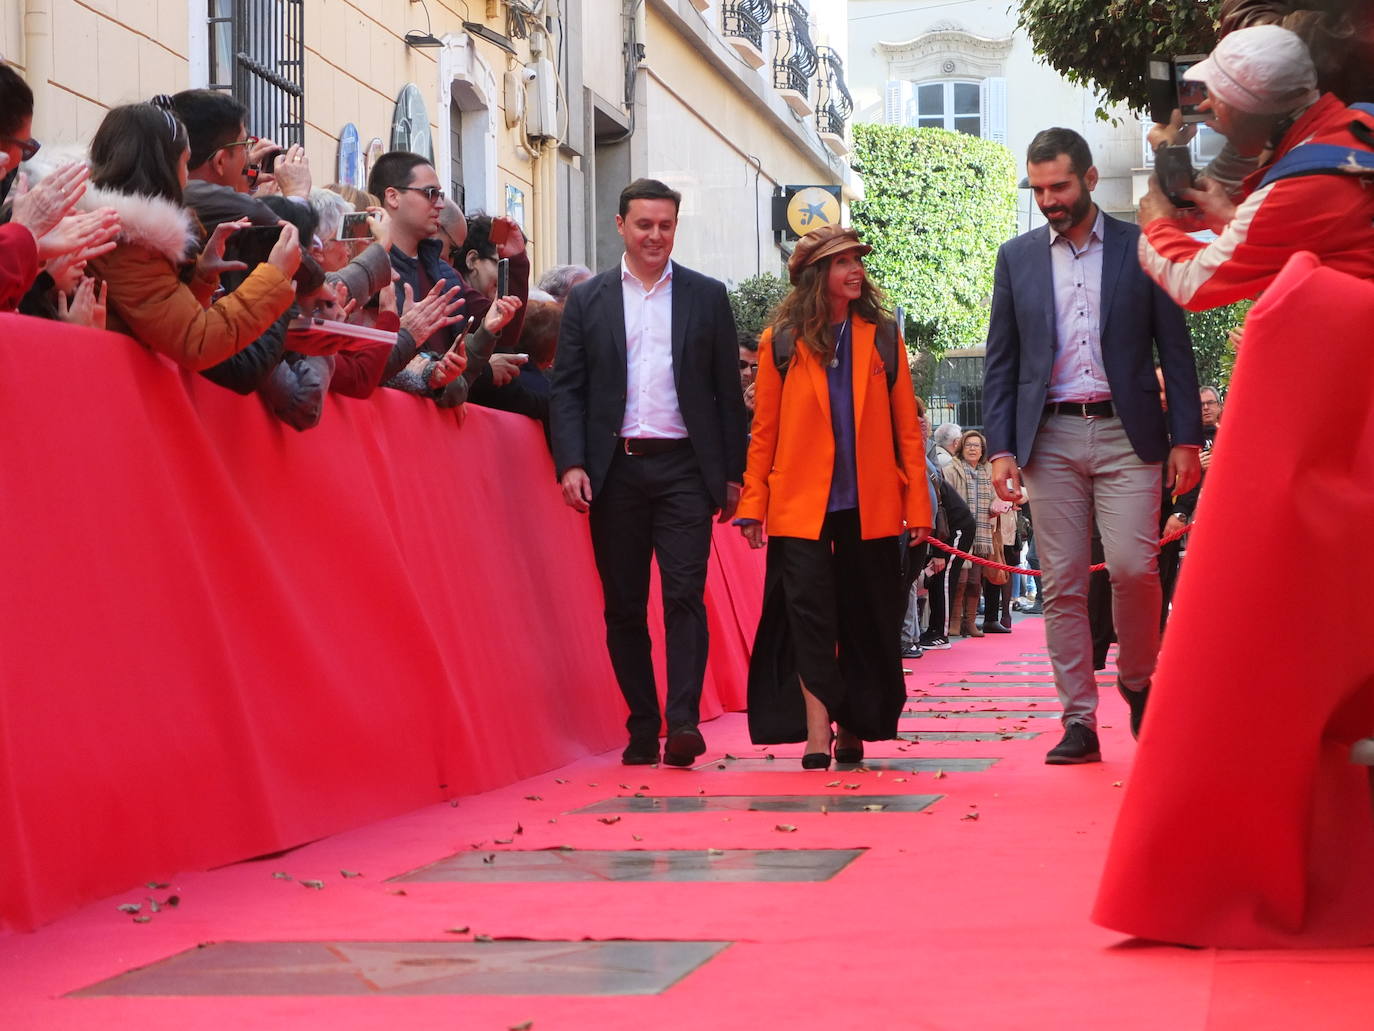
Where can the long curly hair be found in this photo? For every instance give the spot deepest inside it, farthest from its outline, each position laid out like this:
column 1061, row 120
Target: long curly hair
column 806, row 309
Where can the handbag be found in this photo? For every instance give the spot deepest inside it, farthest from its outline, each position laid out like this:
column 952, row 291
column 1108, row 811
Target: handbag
column 996, row 577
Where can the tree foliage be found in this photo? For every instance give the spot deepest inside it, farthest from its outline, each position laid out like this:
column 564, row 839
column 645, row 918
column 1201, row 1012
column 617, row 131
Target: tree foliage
column 936, row 207
column 1104, row 44
column 1209, row 330
column 754, row 300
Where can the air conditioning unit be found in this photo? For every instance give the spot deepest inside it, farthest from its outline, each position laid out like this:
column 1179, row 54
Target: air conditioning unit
column 541, row 108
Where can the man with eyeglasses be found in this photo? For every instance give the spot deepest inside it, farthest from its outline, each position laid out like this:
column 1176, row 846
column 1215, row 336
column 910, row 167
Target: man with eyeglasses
column 226, row 163
column 409, row 189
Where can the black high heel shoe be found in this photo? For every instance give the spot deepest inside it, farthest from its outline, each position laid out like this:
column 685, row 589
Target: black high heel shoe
column 849, row 756
column 818, row 760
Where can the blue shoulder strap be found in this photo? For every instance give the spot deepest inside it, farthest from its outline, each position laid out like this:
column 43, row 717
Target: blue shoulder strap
column 1325, row 158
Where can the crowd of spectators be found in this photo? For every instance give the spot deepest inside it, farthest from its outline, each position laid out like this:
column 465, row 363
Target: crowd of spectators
column 220, row 251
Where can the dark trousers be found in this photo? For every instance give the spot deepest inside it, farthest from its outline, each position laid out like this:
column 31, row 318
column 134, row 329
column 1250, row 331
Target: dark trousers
column 832, row 619
column 937, row 587
column 1170, row 557
column 997, row 597
column 655, row 507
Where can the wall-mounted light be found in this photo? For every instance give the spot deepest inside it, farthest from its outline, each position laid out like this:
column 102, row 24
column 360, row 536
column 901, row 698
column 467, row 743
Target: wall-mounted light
column 416, row 38
column 475, row 28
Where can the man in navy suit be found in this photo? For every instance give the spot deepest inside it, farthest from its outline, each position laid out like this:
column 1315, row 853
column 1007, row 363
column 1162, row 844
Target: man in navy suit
column 1070, row 397
column 649, row 433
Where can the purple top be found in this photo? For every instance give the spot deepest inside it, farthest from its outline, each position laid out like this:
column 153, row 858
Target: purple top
column 844, row 481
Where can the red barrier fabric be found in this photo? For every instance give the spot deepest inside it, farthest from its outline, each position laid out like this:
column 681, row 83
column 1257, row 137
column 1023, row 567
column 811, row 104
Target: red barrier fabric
column 1244, row 824
column 220, row 638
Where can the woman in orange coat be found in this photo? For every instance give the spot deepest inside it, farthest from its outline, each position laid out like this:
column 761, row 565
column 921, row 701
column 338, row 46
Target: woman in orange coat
column 836, row 473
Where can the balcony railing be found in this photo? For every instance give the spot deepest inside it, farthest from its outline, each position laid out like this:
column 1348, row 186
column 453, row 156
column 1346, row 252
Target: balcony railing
column 795, row 61
column 834, row 104
column 745, row 19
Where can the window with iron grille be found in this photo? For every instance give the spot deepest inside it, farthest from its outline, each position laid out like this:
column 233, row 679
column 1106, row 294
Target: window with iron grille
column 257, row 52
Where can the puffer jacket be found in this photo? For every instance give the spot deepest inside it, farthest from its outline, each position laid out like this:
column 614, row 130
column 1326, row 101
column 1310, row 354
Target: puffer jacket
column 149, row 301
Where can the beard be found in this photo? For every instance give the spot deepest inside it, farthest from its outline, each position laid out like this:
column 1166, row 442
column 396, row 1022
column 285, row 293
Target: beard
column 1061, row 218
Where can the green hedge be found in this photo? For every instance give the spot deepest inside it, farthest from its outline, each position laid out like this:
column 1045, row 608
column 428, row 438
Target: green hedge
column 936, row 207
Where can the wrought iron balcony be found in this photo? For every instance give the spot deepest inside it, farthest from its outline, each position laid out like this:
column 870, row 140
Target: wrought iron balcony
column 795, row 61
column 834, row 105
column 745, row 20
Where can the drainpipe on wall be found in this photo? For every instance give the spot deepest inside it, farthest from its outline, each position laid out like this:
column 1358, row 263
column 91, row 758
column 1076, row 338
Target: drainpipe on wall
column 545, row 254
column 37, row 58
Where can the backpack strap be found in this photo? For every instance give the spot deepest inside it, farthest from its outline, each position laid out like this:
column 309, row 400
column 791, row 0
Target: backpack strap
column 886, row 339
column 1320, row 159
column 784, row 343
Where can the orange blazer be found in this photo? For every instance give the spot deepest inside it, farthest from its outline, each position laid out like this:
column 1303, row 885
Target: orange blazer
column 792, row 452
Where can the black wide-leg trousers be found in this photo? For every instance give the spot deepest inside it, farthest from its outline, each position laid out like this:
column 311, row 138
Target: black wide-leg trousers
column 832, row 617
column 655, row 507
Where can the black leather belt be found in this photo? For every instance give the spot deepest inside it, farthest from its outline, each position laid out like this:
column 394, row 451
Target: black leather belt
column 1083, row 409
column 652, row 445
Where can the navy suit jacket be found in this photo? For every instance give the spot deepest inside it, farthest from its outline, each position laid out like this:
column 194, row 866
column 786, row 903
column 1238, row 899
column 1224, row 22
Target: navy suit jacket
column 587, row 403
column 1137, row 318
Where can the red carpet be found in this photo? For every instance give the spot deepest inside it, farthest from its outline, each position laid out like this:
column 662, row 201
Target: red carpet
column 944, row 922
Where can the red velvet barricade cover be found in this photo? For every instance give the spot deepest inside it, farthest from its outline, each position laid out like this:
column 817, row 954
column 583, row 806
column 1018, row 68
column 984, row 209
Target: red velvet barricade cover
column 1244, row 824
column 220, row 638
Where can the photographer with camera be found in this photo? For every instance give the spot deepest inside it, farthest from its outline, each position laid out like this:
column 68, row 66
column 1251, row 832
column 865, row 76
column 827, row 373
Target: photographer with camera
column 1310, row 191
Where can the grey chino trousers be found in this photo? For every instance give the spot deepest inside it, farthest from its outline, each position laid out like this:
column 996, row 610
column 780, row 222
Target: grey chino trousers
column 1081, row 466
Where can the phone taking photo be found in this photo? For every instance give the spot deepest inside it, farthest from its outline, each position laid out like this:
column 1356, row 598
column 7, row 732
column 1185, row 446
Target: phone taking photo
column 1174, row 168
column 462, row 334
column 354, row 226
column 503, row 277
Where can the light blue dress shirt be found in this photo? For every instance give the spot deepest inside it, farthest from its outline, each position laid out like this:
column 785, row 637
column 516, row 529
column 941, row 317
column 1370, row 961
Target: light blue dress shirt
column 1078, row 373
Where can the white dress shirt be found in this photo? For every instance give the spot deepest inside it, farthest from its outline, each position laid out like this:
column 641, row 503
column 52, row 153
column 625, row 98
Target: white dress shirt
column 651, row 408
column 1078, row 373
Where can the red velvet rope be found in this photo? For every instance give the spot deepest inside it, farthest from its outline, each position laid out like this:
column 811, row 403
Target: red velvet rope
column 1167, row 539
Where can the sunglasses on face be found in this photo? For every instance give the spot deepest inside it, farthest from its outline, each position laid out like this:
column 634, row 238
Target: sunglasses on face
column 27, row 148
column 751, row 366
column 432, row 193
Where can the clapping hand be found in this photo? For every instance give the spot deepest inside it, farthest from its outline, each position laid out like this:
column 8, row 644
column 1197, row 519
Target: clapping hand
column 87, row 307
column 40, row 208
column 437, row 310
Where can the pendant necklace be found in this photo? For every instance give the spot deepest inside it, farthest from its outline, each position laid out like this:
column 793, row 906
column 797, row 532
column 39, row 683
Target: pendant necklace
column 835, row 361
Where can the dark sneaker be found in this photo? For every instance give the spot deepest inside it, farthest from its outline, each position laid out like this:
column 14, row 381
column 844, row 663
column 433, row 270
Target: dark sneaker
column 683, row 745
column 1078, row 745
column 936, row 643
column 640, row 753
column 911, row 651
column 1136, row 700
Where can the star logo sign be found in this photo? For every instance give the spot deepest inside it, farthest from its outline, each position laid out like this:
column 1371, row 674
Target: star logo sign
column 814, row 213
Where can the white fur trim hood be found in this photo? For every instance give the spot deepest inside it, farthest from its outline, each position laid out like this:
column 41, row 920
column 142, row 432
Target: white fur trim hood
column 161, row 225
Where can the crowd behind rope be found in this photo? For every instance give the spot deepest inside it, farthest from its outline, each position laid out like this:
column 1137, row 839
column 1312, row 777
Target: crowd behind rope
column 220, row 251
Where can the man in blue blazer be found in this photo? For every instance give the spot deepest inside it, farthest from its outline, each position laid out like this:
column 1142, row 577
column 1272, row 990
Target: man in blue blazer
column 1070, row 397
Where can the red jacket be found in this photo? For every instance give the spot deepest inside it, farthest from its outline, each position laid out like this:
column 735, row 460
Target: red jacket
column 1329, row 215
column 18, row 264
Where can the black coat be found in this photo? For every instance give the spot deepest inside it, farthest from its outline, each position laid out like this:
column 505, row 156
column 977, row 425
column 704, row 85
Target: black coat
column 587, row 405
